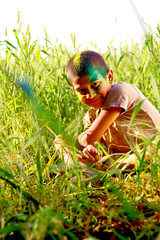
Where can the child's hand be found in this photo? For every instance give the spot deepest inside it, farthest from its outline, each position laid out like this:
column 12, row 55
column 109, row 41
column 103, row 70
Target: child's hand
column 91, row 153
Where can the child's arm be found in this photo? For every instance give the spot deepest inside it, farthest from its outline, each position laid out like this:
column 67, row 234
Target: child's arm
column 99, row 126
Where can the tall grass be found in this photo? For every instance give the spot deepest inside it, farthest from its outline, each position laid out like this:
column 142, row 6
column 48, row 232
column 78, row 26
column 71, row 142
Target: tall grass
column 33, row 206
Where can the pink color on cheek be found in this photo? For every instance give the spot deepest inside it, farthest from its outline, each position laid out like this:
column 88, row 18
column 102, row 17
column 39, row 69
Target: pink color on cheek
column 103, row 89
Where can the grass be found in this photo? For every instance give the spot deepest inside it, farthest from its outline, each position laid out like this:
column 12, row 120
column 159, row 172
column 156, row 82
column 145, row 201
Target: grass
column 33, row 206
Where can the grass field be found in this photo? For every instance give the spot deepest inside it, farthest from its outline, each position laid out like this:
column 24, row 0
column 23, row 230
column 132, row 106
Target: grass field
column 33, row 206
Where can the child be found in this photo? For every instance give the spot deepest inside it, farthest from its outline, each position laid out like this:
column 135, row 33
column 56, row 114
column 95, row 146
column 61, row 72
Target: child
column 108, row 119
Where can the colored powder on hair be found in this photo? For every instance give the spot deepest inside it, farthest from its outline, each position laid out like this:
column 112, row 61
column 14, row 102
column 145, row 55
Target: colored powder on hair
column 76, row 60
column 94, row 72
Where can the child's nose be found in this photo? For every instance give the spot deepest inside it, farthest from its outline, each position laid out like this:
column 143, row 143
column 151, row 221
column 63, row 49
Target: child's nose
column 91, row 94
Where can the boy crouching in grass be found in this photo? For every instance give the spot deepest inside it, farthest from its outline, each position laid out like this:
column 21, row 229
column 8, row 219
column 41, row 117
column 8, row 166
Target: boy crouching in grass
column 108, row 121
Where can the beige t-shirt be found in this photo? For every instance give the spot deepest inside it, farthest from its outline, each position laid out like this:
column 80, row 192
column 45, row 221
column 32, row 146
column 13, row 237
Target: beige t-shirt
column 120, row 136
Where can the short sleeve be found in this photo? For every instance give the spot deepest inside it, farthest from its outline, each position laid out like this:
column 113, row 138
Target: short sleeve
column 122, row 95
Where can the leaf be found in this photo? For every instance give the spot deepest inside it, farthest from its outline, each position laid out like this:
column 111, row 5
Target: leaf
column 6, row 173
column 17, row 37
column 42, row 114
column 136, row 110
column 24, row 193
column 141, row 163
column 156, row 90
column 108, row 55
column 39, row 166
column 32, row 139
column 25, row 86
column 50, row 73
column 32, row 47
column 12, row 219
column 65, row 77
column 2, row 75
column 15, row 56
column 10, row 44
column 120, row 59
column 5, row 231
column 119, row 235
column 45, row 52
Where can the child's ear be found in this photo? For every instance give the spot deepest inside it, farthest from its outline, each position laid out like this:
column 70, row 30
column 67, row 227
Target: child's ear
column 110, row 76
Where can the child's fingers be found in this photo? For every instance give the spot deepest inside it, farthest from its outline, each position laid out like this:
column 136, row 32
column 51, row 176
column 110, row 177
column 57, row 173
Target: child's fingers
column 84, row 159
column 88, row 154
column 91, row 152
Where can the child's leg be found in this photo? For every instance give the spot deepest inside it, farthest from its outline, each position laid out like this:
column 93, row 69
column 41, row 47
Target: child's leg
column 62, row 150
column 65, row 153
column 131, row 160
column 128, row 162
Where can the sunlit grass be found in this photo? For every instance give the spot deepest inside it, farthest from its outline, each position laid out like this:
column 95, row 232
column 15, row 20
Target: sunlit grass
column 33, row 206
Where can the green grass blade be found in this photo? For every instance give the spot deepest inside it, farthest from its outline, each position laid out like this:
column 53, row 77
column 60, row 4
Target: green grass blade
column 6, row 173
column 17, row 37
column 32, row 139
column 136, row 110
column 39, row 165
column 10, row 44
column 25, row 194
column 6, row 230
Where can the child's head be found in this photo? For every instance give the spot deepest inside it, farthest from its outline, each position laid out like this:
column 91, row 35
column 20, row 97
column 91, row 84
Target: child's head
column 83, row 63
column 88, row 74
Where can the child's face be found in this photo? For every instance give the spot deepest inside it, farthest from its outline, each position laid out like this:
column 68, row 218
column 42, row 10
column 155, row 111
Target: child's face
column 92, row 90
